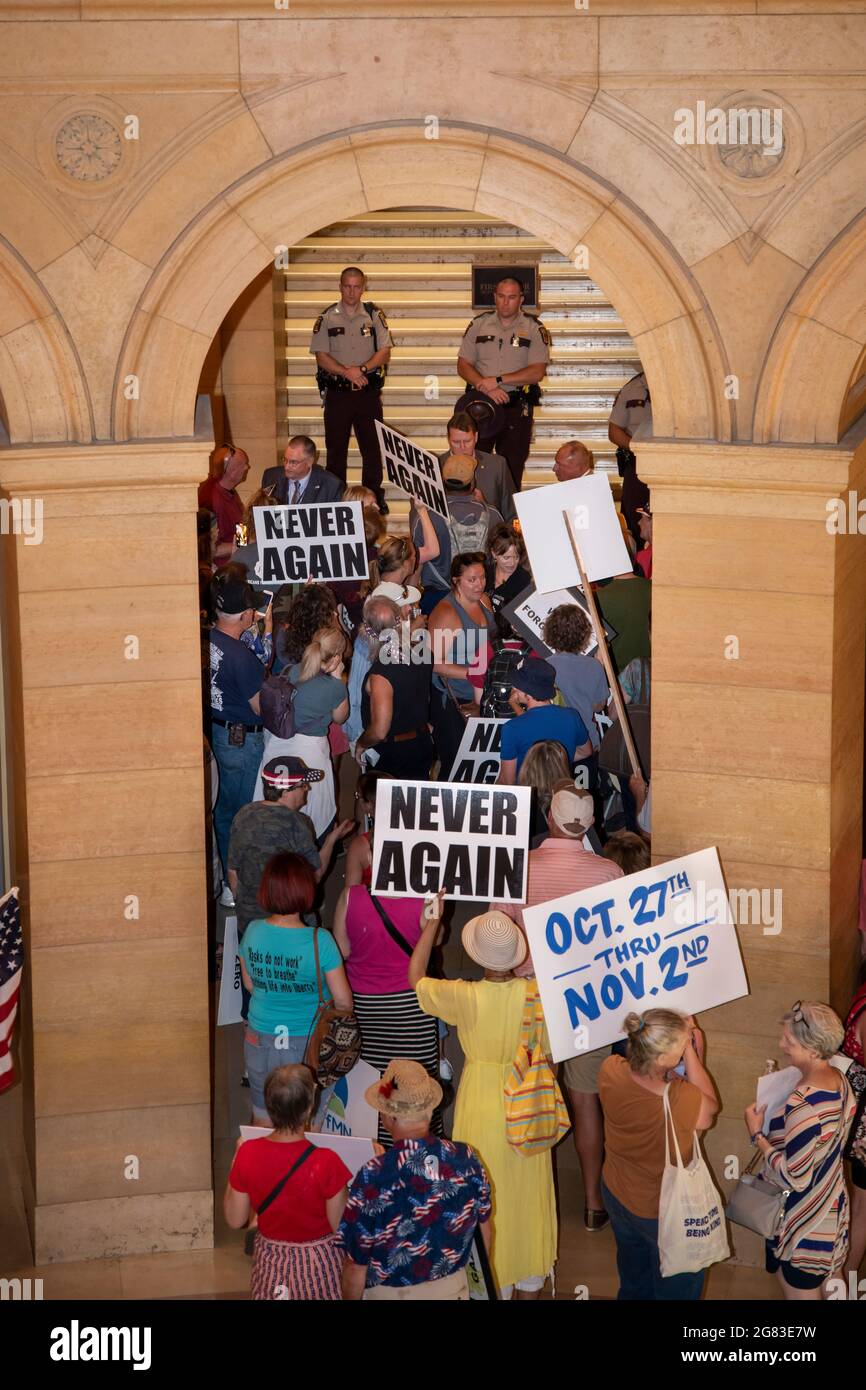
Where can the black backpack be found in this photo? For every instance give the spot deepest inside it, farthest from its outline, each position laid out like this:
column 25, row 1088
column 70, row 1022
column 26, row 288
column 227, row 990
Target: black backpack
column 498, row 682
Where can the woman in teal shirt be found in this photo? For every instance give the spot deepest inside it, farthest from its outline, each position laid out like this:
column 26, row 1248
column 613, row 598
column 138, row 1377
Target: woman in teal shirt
column 278, row 965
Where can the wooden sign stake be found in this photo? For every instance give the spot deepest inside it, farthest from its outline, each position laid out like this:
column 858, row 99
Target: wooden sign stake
column 604, row 653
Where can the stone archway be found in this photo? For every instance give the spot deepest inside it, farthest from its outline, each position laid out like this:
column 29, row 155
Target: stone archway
column 816, row 347
column 235, row 237
column 41, row 379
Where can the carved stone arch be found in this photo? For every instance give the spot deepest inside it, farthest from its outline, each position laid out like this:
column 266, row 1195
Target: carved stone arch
column 41, row 379
column 819, row 340
column 466, row 169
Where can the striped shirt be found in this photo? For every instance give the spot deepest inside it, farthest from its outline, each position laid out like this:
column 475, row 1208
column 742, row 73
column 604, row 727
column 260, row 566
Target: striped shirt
column 557, row 867
column 808, row 1140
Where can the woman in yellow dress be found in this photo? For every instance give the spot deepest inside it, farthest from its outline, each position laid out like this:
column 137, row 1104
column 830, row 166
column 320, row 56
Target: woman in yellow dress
column 488, row 1014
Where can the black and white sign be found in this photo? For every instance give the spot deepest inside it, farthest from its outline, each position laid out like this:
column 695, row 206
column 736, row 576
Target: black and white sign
column 412, row 469
column 314, row 540
column 478, row 757
column 471, row 841
column 486, row 277
column 530, row 610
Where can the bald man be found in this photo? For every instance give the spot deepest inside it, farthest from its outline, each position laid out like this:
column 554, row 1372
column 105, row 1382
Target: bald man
column 228, row 468
column 573, row 460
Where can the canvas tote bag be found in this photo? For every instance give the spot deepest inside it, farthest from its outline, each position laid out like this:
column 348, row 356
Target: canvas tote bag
column 692, row 1231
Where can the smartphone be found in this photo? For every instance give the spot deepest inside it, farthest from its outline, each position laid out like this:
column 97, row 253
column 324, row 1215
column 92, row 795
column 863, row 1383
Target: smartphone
column 680, row 1068
column 262, row 612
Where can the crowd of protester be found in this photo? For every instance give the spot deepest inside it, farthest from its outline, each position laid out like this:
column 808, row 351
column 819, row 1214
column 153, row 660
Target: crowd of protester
column 386, row 672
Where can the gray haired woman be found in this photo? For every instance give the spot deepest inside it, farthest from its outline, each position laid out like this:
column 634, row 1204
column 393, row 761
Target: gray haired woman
column 803, row 1149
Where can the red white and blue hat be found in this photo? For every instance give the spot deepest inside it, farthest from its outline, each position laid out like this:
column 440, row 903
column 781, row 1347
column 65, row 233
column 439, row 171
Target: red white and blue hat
column 285, row 773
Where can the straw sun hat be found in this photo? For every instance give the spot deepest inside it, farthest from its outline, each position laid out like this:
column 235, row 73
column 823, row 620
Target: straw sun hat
column 494, row 941
column 406, row 1089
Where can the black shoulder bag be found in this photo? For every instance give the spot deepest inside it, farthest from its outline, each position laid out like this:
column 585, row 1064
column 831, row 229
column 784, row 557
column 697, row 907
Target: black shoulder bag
column 395, row 935
column 274, row 1194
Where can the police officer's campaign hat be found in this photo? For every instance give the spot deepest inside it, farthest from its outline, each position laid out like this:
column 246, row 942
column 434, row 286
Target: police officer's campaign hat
column 487, row 415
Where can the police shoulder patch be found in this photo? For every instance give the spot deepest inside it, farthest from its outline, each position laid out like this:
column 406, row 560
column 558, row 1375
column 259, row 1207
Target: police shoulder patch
column 382, row 319
column 545, row 332
column 317, row 325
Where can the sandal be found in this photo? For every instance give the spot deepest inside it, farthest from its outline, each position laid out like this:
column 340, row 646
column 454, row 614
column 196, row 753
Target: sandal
column 595, row 1220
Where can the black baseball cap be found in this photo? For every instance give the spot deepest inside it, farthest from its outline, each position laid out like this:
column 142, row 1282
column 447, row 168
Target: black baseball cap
column 233, row 596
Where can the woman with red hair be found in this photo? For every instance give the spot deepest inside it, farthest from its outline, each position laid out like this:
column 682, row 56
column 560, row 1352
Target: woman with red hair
column 278, row 964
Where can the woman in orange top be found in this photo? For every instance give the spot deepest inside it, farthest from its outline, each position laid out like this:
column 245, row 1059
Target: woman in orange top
column 631, row 1091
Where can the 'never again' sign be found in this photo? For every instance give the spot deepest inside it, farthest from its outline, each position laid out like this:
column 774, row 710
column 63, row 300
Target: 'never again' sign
column 412, row 469
column 313, row 540
column 661, row 938
column 471, row 841
column 478, row 757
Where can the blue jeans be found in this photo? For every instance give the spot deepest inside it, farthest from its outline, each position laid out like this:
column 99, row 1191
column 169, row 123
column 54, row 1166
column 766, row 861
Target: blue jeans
column 637, row 1258
column 262, row 1055
column 239, row 768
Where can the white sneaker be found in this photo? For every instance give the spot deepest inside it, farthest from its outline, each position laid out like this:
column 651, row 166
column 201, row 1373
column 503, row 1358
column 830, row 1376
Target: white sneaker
column 227, row 897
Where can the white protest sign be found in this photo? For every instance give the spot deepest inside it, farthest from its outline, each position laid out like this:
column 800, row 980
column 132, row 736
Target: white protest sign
column 354, row 1151
column 661, row 938
column 314, row 540
column 531, row 609
column 230, row 979
column 412, row 469
column 348, row 1111
column 478, row 756
column 774, row 1089
column 545, row 535
column 471, row 841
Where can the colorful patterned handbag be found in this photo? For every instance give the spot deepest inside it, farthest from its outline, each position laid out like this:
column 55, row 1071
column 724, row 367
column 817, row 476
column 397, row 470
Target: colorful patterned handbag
column 535, row 1113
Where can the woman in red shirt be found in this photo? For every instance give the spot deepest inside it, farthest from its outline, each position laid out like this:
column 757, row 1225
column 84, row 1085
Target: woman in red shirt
column 299, row 1192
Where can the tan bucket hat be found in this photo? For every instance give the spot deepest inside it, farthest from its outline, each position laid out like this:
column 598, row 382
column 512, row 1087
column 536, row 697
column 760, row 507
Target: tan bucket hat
column 494, row 941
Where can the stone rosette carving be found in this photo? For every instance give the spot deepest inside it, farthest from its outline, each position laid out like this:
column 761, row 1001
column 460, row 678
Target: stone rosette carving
column 754, row 160
column 82, row 150
column 88, row 147
column 754, row 164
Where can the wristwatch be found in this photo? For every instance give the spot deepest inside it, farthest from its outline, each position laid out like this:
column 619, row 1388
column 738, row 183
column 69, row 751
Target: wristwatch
column 499, row 381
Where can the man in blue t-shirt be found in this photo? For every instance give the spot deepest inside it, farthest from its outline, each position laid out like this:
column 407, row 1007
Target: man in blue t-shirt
column 236, row 676
column 534, row 686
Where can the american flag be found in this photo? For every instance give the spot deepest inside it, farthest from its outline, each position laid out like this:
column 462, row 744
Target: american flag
column 11, row 964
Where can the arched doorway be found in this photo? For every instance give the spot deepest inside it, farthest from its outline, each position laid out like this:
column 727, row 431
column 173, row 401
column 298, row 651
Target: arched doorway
column 234, row 238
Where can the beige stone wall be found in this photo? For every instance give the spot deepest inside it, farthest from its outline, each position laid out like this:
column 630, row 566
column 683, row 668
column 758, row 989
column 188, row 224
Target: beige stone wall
column 109, row 793
column 241, row 365
column 256, row 131
column 566, row 129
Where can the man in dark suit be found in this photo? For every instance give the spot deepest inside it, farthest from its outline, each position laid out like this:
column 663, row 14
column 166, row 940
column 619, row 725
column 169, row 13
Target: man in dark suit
column 492, row 476
column 301, row 479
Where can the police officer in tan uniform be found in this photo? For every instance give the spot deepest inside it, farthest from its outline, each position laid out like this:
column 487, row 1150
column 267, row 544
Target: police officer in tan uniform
column 631, row 418
column 504, row 355
column 352, row 346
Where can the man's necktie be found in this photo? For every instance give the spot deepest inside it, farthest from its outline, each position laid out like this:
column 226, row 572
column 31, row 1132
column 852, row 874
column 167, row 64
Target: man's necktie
column 296, row 493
